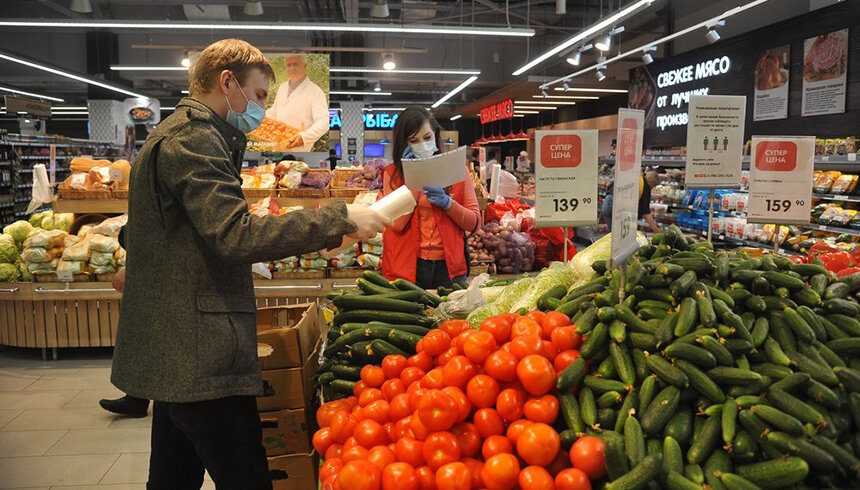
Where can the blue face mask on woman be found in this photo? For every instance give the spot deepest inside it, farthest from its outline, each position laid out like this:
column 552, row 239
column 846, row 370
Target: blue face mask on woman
column 246, row 121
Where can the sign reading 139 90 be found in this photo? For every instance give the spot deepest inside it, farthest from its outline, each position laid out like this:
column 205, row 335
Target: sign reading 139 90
column 566, row 178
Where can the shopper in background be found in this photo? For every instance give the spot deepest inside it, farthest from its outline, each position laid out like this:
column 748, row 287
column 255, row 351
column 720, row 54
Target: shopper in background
column 427, row 246
column 645, row 184
column 523, row 163
column 332, row 159
column 301, row 104
column 186, row 337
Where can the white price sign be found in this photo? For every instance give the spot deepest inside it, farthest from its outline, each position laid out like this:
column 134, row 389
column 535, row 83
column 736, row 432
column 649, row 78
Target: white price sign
column 781, row 179
column 625, row 194
column 715, row 141
column 566, row 178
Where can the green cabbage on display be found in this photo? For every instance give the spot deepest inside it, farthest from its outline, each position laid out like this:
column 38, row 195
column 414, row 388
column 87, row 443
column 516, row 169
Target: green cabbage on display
column 512, row 293
column 8, row 272
column 557, row 274
column 63, row 221
column 36, row 219
column 4, row 238
column 481, row 313
column 8, row 253
column 19, row 230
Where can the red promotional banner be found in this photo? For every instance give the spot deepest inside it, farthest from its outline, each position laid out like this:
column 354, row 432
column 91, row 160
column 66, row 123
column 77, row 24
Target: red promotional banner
column 496, row 112
column 776, row 156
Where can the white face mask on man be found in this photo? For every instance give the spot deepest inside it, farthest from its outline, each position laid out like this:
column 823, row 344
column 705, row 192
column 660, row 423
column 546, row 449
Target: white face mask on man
column 424, row 149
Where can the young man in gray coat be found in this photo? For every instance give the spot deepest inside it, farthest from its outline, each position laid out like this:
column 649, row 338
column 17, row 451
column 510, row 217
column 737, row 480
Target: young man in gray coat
column 187, row 335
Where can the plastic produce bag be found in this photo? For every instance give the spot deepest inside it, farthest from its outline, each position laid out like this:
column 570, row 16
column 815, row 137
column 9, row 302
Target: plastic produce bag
column 558, row 273
column 463, row 302
column 508, row 185
column 259, row 268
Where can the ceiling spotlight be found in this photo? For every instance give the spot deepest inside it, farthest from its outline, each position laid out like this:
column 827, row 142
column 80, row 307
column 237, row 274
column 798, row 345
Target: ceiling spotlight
column 574, row 58
column 646, row 56
column 186, row 61
column 712, row 35
column 600, row 76
column 543, row 91
column 603, row 42
column 601, row 60
column 379, row 9
column 388, row 61
column 377, row 87
column 81, row 6
column 253, row 8
column 565, row 85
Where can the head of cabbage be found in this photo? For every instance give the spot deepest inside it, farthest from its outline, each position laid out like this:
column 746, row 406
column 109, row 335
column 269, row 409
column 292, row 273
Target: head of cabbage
column 19, row 230
column 8, row 272
column 8, row 253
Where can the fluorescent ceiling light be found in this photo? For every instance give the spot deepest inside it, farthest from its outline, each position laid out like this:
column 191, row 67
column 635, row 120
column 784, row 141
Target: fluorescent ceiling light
column 519, row 115
column 454, row 118
column 539, row 108
column 356, row 92
column 597, row 90
column 586, row 33
column 277, row 26
column 184, row 92
column 31, row 94
column 374, row 109
column 415, row 71
column 70, row 113
column 457, row 89
column 544, row 102
column 577, row 97
column 148, row 68
column 706, row 23
column 69, row 108
column 66, row 74
column 516, row 111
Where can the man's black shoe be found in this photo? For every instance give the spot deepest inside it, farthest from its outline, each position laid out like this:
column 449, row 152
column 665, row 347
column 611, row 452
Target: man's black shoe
column 128, row 405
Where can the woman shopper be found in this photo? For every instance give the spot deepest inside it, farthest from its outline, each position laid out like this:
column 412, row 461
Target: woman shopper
column 428, row 245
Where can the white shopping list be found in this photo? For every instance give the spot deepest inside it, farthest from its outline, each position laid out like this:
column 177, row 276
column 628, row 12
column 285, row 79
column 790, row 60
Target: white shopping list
column 440, row 170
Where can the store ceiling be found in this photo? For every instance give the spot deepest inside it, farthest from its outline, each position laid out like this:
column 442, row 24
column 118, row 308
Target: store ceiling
column 495, row 57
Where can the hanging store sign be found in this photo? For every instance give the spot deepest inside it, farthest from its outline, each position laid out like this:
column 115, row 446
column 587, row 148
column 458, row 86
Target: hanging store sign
column 29, row 106
column 781, row 179
column 625, row 193
column 497, row 112
column 372, row 120
column 566, row 178
column 715, row 141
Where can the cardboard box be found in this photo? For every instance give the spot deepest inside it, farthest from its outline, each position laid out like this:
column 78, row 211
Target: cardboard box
column 287, row 431
column 294, row 471
column 291, row 331
column 289, row 388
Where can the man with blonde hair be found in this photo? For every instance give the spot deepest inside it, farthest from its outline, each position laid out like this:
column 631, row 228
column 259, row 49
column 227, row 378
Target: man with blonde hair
column 187, row 336
column 301, row 104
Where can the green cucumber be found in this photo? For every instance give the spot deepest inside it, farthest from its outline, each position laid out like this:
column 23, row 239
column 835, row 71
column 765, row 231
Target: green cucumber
column 570, row 412
column 676, row 481
column 358, row 316
column 780, row 279
column 660, row 410
column 778, row 419
column 647, row 390
column 680, row 427
column 689, row 352
column 350, row 373
column 837, row 290
column 694, row 473
column 717, row 349
column 807, row 297
column 603, row 385
column 707, row 316
column 623, row 363
column 705, row 442
column 729, row 420
column 597, row 341
column 818, row 372
column 609, row 399
column 628, row 407
column 634, row 441
column 667, row 372
column 382, row 348
column 846, row 346
column 736, row 482
column 638, row 477
column 643, row 341
column 847, row 324
column 614, row 457
column 794, row 407
column 587, row 406
column 744, row 448
column 342, row 386
column 732, row 376
column 665, row 332
column 850, row 378
column 777, row 473
column 798, row 325
column 571, row 375
column 812, row 454
column 791, row 381
column 719, row 462
column 673, row 458
column 555, row 292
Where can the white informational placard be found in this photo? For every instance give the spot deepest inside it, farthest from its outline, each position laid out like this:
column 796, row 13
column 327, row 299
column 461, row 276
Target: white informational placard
column 771, row 84
column 440, row 170
column 625, row 193
column 825, row 69
column 781, row 179
column 715, row 141
column 566, row 178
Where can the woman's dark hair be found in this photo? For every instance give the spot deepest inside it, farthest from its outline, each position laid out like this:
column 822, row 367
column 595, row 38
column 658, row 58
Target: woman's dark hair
column 408, row 123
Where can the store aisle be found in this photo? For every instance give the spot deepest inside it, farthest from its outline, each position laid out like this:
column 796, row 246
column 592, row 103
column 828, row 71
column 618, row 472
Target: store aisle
column 53, row 434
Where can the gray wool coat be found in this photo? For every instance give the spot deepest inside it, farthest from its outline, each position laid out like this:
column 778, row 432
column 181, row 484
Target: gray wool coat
column 187, row 326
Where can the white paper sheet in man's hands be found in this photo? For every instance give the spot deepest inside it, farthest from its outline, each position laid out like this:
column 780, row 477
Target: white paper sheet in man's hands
column 440, row 170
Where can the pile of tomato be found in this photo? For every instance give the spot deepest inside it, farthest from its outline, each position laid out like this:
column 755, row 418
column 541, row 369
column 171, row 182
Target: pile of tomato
column 472, row 409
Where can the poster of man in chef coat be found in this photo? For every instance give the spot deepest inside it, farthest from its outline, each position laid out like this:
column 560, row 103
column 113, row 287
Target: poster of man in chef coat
column 301, row 101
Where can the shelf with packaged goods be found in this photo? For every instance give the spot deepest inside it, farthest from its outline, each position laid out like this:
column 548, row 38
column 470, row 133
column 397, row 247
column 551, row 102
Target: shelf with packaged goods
column 836, row 197
column 735, row 214
column 822, row 162
column 831, row 229
column 119, row 206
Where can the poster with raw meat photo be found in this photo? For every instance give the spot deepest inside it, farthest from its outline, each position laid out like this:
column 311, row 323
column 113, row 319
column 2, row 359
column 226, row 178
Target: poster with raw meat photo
column 825, row 68
column 771, row 84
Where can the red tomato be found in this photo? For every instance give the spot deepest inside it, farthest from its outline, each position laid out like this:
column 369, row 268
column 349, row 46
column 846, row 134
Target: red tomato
column 526, row 345
column 441, row 448
column 458, row 371
column 455, row 327
column 564, row 359
column 559, row 464
column 399, row 476
column 409, row 451
column 334, row 451
column 538, row 444
column 447, row 356
column 342, row 425
column 469, row 438
column 510, row 404
column 437, row 411
column 372, row 375
column 436, row 342
column 553, row 320
column 421, row 360
column 454, row 476
column 322, row 440
column 433, row 380
column 565, row 338
column 330, row 467
column 350, row 443
column 464, row 408
column 361, row 475
column 501, row 365
column 329, row 483
column 515, row 430
column 500, row 472
column 368, row 396
column 482, row 391
column 489, row 422
column 399, row 407
column 426, row 478
column 499, row 327
column 359, row 388
column 536, row 374
column 475, row 468
column 478, row 346
column 378, row 411
column 419, row 431
column 381, row 456
column 393, row 365
column 496, row 444
column 526, row 326
column 354, row 453
column 392, row 387
column 543, row 409
column 326, row 412
column 535, row 478
column 460, row 340
column 548, row 350
column 411, row 375
column 370, row 433
column 415, row 392
column 572, row 479
column 537, row 316
column 586, row 454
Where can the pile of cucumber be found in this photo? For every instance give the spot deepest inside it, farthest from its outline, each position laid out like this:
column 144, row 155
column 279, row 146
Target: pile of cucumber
column 378, row 318
column 715, row 368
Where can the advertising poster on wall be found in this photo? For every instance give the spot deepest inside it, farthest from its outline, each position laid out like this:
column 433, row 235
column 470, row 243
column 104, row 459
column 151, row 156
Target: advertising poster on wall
column 297, row 109
column 825, row 69
column 715, row 141
column 771, row 84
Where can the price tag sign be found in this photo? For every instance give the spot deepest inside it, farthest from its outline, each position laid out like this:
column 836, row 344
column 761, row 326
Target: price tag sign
column 625, row 193
column 566, row 178
column 53, row 168
column 715, row 141
column 781, row 179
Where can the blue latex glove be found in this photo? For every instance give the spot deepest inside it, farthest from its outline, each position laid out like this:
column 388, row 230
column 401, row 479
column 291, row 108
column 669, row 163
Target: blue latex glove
column 438, row 197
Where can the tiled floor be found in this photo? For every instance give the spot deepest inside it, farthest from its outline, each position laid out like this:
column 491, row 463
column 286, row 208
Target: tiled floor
column 53, row 434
